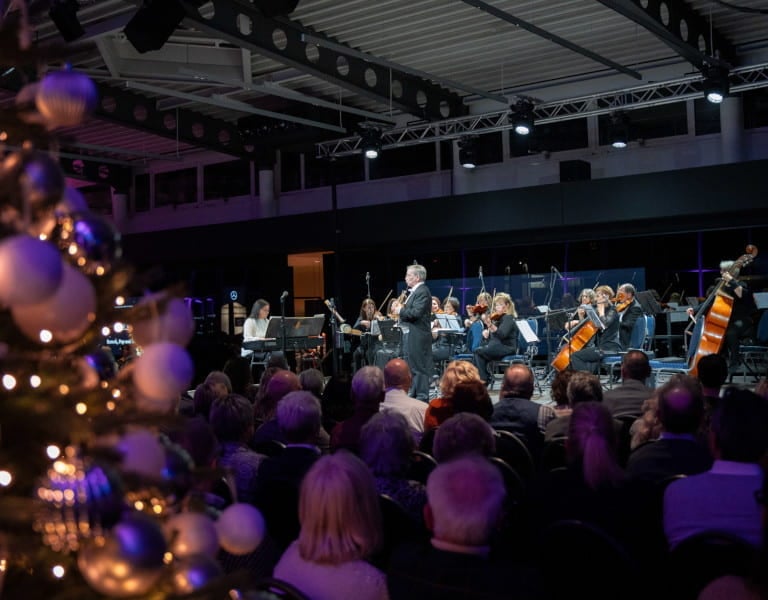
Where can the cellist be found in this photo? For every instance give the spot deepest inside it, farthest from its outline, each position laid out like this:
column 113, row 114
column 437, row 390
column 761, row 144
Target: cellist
column 605, row 341
column 740, row 323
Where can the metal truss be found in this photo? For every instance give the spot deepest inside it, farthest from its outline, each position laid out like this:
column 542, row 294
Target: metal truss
column 655, row 94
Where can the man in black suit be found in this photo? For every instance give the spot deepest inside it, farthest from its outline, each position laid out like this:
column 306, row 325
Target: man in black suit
column 417, row 313
column 631, row 312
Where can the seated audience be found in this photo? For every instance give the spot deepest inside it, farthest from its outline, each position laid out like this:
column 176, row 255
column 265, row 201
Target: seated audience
column 203, row 399
column 238, row 369
column 232, row 423
column 517, row 413
column 472, row 397
column 465, row 506
column 340, row 528
column 463, row 434
column 397, row 382
column 281, row 383
column 559, row 392
column 679, row 449
column 723, row 497
column 441, row 408
column 367, row 395
column 628, row 398
column 313, row 381
column 386, row 445
column 711, row 371
column 583, row 387
column 220, row 383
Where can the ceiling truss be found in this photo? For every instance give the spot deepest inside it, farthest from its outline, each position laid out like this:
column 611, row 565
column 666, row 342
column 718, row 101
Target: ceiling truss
column 668, row 92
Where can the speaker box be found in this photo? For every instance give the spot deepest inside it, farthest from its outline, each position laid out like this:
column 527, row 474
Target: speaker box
column 153, row 24
column 575, row 170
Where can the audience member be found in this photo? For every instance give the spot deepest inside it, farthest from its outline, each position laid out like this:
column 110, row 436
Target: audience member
column 340, row 528
column 337, row 400
column 220, row 383
column 367, row 395
column 559, row 392
column 583, row 387
column 472, row 397
column 232, row 422
column 386, row 445
column 203, row 400
column 463, row 434
column 465, row 506
column 517, row 413
column 441, row 408
column 648, row 427
column 397, row 382
column 280, row 383
column 238, row 369
column 679, row 449
column 312, row 381
column 298, row 418
column 712, row 371
column 723, row 497
column 628, row 398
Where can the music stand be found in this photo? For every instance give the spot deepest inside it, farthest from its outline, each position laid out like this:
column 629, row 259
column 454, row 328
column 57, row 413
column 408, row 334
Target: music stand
column 591, row 314
column 450, row 322
column 273, row 328
column 761, row 299
column 649, row 303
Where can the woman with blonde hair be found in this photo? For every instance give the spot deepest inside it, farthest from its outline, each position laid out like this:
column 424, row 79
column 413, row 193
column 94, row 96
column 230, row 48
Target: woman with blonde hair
column 340, row 528
column 441, row 408
column 500, row 334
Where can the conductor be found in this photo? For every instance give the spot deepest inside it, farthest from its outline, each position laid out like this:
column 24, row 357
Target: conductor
column 417, row 312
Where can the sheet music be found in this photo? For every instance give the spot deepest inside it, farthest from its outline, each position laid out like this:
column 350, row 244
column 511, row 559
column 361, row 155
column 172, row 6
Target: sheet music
column 525, row 329
column 592, row 316
column 450, row 322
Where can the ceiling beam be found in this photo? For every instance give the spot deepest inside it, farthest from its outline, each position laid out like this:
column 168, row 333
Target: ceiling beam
column 282, row 41
column 688, row 33
column 517, row 21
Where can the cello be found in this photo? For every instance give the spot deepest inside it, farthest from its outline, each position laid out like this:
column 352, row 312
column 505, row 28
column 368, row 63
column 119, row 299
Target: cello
column 578, row 337
column 715, row 314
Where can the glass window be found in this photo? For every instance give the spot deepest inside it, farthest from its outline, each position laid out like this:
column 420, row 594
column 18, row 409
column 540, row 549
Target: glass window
column 227, row 180
column 176, row 187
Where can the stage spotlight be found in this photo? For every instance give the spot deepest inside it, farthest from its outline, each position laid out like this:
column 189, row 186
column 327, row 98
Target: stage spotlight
column 468, row 152
column 522, row 117
column 619, row 130
column 370, row 143
column 64, row 16
column 716, row 84
column 153, row 24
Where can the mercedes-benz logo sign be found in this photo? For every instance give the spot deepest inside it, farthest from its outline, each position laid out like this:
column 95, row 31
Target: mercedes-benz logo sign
column 233, row 295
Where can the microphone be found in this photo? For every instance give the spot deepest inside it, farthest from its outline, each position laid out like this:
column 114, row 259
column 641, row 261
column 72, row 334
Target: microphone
column 367, row 276
column 284, row 296
column 558, row 273
column 480, row 271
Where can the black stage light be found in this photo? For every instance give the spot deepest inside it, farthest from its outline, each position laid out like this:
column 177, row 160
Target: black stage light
column 619, row 131
column 370, row 143
column 153, row 24
column 716, row 84
column 468, row 152
column 64, row 16
column 522, row 117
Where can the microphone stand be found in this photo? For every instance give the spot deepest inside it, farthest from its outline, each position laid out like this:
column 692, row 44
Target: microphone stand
column 338, row 342
column 282, row 323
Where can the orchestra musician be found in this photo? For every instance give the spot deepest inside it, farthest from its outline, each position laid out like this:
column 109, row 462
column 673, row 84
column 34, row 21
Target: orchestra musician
column 587, row 297
column 473, row 324
column 443, row 346
column 605, row 341
column 500, row 334
column 436, row 307
column 255, row 326
column 366, row 350
column 416, row 312
column 629, row 310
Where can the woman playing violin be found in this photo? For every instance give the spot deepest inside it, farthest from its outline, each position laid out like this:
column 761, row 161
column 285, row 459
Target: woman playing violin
column 444, row 345
column 473, row 324
column 500, row 335
column 364, row 353
column 605, row 341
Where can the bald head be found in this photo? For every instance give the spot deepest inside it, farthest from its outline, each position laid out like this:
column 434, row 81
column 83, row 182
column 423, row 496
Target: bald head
column 518, row 382
column 397, row 374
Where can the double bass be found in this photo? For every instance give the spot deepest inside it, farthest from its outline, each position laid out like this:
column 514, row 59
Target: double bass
column 715, row 314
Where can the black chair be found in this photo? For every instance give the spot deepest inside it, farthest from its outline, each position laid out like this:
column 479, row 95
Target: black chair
column 624, row 438
column 427, row 440
column 398, row 527
column 513, row 483
column 513, row 450
column 274, row 588
column 703, row 557
column 597, row 565
column 553, row 455
column 421, row 466
column 268, row 447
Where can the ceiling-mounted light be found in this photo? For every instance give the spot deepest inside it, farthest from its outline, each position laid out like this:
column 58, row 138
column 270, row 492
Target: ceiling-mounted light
column 522, row 117
column 370, row 142
column 716, row 84
column 619, row 130
column 468, row 152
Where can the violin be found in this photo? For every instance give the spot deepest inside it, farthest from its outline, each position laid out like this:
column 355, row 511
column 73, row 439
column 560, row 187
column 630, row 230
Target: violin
column 496, row 317
column 477, row 309
column 621, row 302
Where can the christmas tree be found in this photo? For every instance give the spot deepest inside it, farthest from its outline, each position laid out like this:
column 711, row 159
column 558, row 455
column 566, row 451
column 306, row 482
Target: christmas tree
column 95, row 500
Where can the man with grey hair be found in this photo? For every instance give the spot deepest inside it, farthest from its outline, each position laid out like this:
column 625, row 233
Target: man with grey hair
column 417, row 313
column 630, row 312
column 397, row 382
column 465, row 506
column 367, row 394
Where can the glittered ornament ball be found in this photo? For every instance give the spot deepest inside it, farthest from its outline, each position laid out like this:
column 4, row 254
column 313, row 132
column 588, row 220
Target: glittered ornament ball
column 163, row 371
column 241, row 528
column 30, row 270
